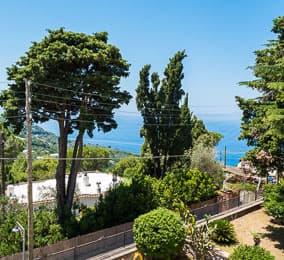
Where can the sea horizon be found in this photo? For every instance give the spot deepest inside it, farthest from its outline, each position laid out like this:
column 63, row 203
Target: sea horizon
column 126, row 136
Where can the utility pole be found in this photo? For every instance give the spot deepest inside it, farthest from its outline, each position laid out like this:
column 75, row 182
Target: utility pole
column 225, row 157
column 29, row 168
column 3, row 186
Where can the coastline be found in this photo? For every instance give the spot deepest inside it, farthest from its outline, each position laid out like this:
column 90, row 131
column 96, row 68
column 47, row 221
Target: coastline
column 127, row 137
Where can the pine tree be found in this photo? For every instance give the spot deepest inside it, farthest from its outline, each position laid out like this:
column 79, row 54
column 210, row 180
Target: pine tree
column 263, row 117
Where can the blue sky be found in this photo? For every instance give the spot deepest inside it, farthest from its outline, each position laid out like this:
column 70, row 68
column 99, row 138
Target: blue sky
column 219, row 37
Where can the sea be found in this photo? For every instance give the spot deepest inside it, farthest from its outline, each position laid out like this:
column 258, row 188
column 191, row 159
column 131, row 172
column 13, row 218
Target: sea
column 126, row 136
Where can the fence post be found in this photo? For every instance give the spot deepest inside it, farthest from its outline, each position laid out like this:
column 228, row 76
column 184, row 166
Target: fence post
column 75, row 249
column 239, row 199
column 124, row 238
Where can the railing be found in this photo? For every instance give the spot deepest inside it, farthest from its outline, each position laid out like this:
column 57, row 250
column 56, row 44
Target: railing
column 107, row 243
column 243, row 198
column 99, row 246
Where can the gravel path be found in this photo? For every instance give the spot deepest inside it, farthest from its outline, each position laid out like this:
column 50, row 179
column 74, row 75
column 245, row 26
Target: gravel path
column 259, row 222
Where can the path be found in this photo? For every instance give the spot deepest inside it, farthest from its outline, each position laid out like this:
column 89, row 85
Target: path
column 259, row 222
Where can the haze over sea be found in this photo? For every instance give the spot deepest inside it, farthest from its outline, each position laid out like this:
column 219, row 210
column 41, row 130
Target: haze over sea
column 127, row 136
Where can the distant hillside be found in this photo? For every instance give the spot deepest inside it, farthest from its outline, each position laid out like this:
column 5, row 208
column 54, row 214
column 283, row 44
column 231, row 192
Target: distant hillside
column 44, row 142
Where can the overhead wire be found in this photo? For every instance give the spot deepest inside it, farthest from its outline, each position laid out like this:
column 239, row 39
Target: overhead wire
column 134, row 156
column 102, row 103
column 97, row 158
column 107, row 104
column 101, row 96
column 105, row 122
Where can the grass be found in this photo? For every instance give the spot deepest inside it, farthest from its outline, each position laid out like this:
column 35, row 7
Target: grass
column 243, row 186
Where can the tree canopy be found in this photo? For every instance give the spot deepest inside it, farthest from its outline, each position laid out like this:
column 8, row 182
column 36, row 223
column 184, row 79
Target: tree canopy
column 74, row 80
column 100, row 157
column 160, row 108
column 263, row 117
column 169, row 128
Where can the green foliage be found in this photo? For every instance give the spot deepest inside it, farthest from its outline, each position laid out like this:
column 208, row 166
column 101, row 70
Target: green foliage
column 126, row 166
column 11, row 211
column 188, row 186
column 80, row 73
column 243, row 186
column 92, row 152
column 164, row 120
column 46, row 230
column 71, row 227
column 95, row 152
column 224, row 232
column 43, row 142
column 198, row 241
column 42, row 168
column 203, row 158
column 159, row 233
column 274, row 200
column 122, row 204
column 263, row 116
column 245, row 252
column 19, row 169
column 13, row 146
column 88, row 221
column 169, row 127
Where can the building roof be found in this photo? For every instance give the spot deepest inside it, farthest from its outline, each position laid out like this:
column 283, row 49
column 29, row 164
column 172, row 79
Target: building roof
column 87, row 184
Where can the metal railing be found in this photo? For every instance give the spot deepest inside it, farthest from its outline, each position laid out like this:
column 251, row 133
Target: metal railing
column 108, row 243
column 93, row 248
column 243, row 198
column 125, row 238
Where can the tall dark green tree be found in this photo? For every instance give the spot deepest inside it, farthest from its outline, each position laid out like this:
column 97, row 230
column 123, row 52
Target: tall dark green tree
column 263, row 117
column 75, row 81
column 184, row 138
column 11, row 147
column 163, row 117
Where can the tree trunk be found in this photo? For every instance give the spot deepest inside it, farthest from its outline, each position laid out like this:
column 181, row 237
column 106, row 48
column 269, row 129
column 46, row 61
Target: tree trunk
column 157, row 168
column 61, row 170
column 75, row 167
column 3, row 187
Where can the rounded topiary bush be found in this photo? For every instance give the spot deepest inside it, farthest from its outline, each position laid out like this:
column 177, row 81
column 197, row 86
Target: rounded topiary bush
column 244, row 252
column 223, row 232
column 159, row 233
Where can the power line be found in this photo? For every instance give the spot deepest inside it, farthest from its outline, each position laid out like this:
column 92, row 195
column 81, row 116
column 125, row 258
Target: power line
column 100, row 96
column 100, row 158
column 105, row 122
column 109, row 103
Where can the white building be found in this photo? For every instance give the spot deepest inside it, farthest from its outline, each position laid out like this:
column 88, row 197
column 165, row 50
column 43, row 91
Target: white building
column 89, row 187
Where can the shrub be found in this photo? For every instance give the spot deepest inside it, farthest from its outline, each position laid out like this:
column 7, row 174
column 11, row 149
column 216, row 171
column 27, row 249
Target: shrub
column 203, row 157
column 224, row 232
column 274, row 200
column 245, row 252
column 46, row 230
column 199, row 243
column 159, row 233
column 123, row 203
column 125, row 165
column 188, row 186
